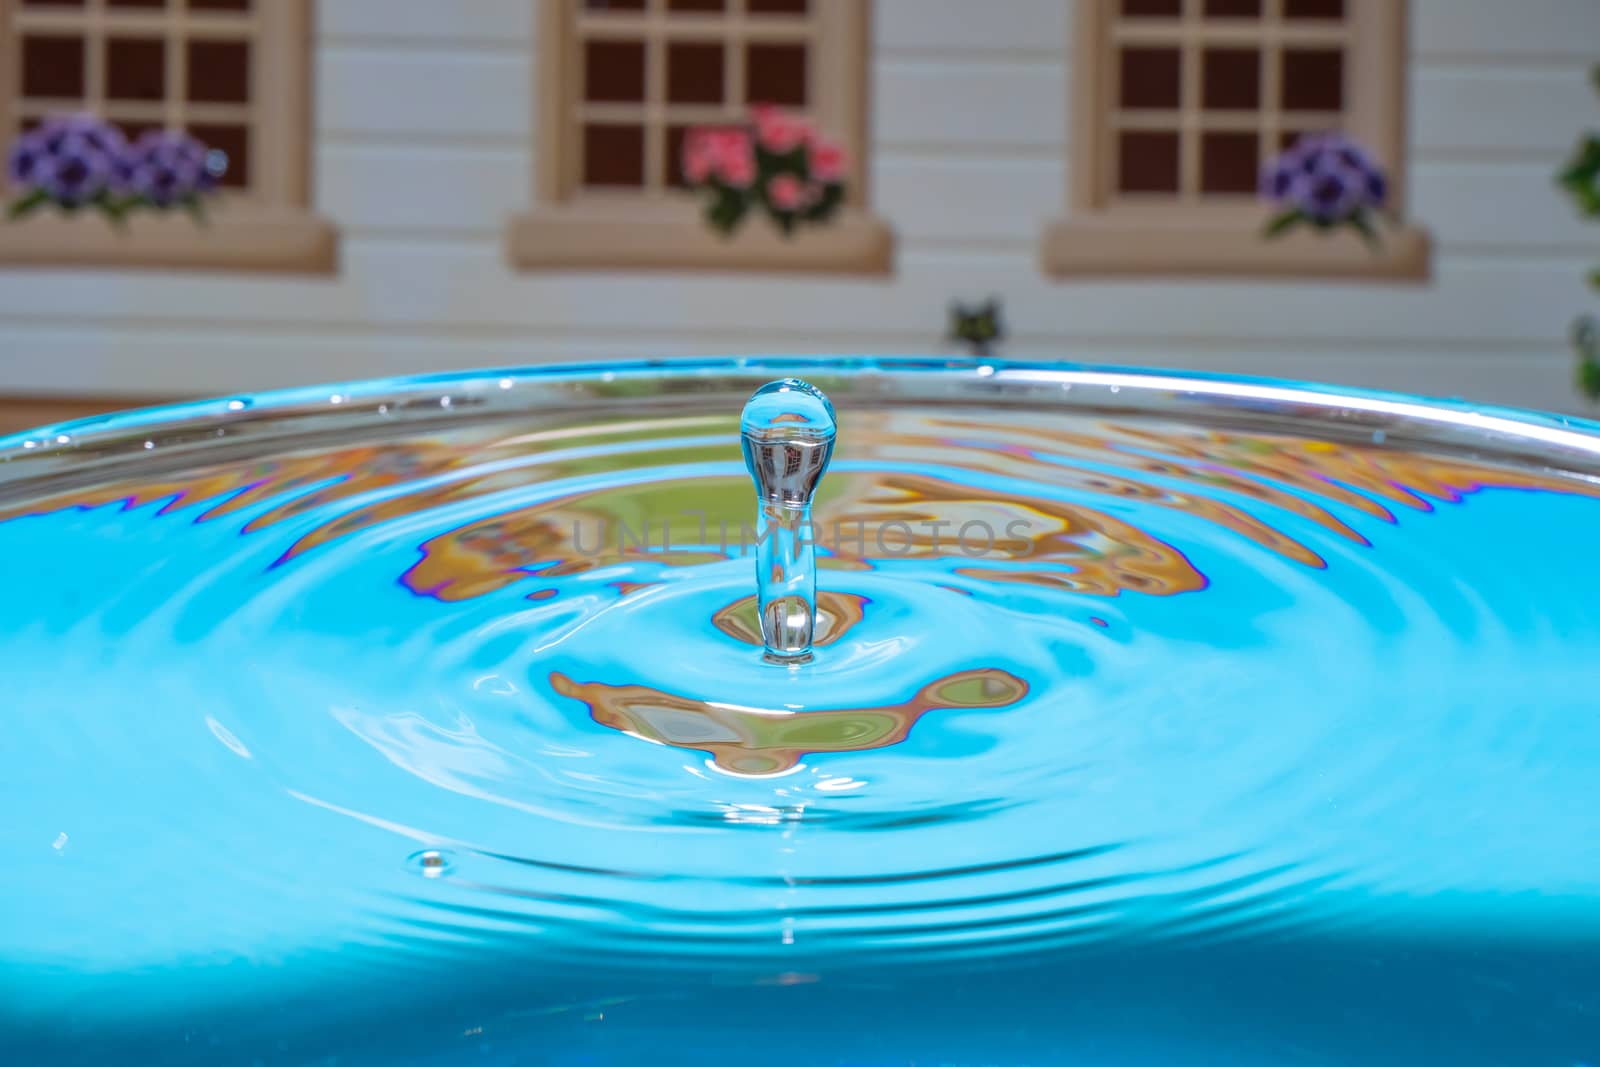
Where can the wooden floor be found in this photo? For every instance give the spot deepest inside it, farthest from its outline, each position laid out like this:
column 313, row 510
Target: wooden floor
column 25, row 412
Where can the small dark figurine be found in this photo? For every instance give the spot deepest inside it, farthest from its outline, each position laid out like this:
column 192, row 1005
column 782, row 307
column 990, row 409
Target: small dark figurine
column 1586, row 344
column 977, row 327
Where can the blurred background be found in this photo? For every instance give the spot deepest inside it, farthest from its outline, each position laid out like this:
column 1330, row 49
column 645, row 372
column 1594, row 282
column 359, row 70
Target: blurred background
column 1390, row 193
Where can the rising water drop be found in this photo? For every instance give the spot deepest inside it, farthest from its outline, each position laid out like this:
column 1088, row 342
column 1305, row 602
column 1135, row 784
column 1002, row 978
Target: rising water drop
column 788, row 427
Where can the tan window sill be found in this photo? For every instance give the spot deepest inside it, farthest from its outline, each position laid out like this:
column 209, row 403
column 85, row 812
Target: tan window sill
column 235, row 237
column 619, row 235
column 1112, row 245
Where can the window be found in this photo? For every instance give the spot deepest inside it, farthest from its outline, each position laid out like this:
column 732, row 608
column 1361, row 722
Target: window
column 1178, row 103
column 231, row 72
column 620, row 81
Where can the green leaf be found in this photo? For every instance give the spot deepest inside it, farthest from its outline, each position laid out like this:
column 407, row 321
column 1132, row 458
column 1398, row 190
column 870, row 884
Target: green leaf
column 1594, row 278
column 1282, row 223
column 196, row 209
column 27, row 204
column 1362, row 224
column 827, row 204
column 1594, row 77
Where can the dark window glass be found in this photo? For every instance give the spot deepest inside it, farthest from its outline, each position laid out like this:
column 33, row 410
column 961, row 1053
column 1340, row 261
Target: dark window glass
column 1313, row 80
column 673, row 177
column 1152, row 8
column 136, row 68
column 776, row 7
column 219, row 5
column 1229, row 162
column 614, row 5
column 1232, row 79
column 695, row 5
column 136, row 3
column 1313, row 9
column 776, row 74
column 1151, row 77
column 613, row 71
column 1233, row 9
column 233, row 141
column 52, row 66
column 1147, row 161
column 613, row 155
column 219, row 72
column 694, row 73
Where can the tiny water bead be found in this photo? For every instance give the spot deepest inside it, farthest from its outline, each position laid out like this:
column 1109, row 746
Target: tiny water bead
column 432, row 862
column 787, row 429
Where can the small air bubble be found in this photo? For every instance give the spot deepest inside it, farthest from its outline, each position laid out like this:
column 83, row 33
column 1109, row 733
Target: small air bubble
column 444, row 401
column 432, row 862
column 985, row 371
column 30, row 444
column 383, row 409
column 60, row 843
column 505, row 383
column 336, row 398
column 62, row 439
column 238, row 405
column 149, row 444
column 1116, row 388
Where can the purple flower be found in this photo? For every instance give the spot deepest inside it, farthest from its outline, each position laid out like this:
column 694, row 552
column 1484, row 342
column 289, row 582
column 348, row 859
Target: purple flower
column 1327, row 177
column 166, row 166
column 70, row 158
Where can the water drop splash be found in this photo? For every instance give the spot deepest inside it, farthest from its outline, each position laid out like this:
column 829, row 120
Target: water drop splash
column 787, row 429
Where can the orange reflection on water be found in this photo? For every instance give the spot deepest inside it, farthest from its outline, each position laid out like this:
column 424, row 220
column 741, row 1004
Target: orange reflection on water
column 767, row 741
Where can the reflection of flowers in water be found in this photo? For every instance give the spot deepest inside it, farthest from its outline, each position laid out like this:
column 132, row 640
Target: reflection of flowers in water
column 769, row 741
column 1067, row 544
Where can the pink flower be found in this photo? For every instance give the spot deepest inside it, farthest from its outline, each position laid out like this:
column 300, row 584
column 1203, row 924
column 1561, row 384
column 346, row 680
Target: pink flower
column 700, row 153
column 725, row 154
column 786, row 192
column 827, row 161
column 736, row 159
column 780, row 133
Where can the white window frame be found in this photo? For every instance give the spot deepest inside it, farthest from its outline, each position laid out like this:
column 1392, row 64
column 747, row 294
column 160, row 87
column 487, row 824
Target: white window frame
column 270, row 226
column 572, row 227
column 1111, row 234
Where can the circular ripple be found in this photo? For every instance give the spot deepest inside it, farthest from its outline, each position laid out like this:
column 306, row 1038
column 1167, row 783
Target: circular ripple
column 1076, row 681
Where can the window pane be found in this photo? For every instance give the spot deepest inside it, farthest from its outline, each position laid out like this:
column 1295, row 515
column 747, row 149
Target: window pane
column 1233, row 9
column 776, row 7
column 52, row 3
column 695, row 5
column 136, row 3
column 673, row 176
column 1151, row 77
column 1313, row 9
column 694, row 73
column 614, row 5
column 1152, row 8
column 1313, row 80
column 219, row 5
column 136, row 68
column 613, row 155
column 1229, row 162
column 1147, row 162
column 219, row 72
column 613, row 71
column 1232, row 78
column 52, row 66
column 776, row 74
column 234, row 141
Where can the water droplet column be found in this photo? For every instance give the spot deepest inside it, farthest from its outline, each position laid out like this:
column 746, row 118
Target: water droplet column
column 787, row 429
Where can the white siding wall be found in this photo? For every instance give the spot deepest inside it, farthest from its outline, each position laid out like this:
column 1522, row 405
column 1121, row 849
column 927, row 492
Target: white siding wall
column 424, row 149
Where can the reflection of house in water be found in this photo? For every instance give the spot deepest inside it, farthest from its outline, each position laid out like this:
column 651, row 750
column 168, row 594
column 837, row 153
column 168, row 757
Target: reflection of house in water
column 404, row 203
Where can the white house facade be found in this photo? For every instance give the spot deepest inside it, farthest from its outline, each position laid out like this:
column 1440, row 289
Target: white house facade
column 424, row 186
